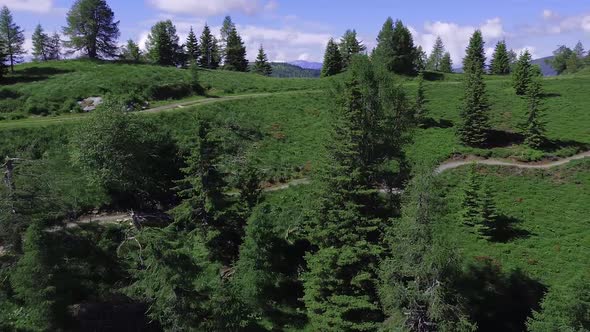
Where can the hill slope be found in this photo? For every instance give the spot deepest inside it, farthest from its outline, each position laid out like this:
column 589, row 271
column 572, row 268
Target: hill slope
column 286, row 70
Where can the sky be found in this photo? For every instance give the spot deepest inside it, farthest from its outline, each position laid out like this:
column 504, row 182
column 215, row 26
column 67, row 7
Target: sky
column 299, row 30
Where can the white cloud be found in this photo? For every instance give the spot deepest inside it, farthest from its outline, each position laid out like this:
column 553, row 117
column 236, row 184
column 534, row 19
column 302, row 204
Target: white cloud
column 213, row 7
column 532, row 50
column 38, row 6
column 555, row 24
column 548, row 14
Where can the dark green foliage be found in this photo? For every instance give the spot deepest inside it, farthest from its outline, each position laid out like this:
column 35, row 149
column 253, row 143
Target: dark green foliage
column 446, row 64
column 565, row 308
column 192, row 46
column 500, row 64
column 125, row 154
column 534, row 127
column 566, row 60
column 421, row 112
column 332, row 60
column 131, row 52
column 416, row 279
column 235, row 53
column 54, row 47
column 435, row 60
column 478, row 209
column 3, row 59
column 40, row 43
column 421, row 59
column 350, row 46
column 195, row 82
column 395, row 49
column 474, row 112
column 12, row 37
column 162, row 44
column 285, row 70
column 33, row 281
column 523, row 75
column 91, row 29
column 475, row 59
column 261, row 65
column 226, row 28
column 210, row 57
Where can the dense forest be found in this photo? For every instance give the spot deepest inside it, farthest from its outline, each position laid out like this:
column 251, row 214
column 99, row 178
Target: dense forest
column 204, row 192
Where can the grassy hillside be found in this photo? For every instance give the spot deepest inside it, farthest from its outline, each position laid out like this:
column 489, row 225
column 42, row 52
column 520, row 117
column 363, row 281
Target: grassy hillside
column 285, row 70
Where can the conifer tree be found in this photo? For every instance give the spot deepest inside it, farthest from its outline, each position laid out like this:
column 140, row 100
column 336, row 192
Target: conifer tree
column 474, row 112
column 192, row 46
column 534, row 127
column 350, row 46
column 12, row 37
column 421, row 59
column 500, row 64
column 91, row 28
column 421, row 111
column 262, row 66
column 489, row 213
column 332, row 60
column 523, row 75
column 395, row 49
column 226, row 28
column 512, row 59
column 54, row 47
column 471, row 214
column 435, row 60
column 579, row 50
column 560, row 58
column 446, row 64
column 131, row 51
column 3, row 59
column 475, row 58
column 40, row 44
column 162, row 44
column 209, row 50
column 235, row 53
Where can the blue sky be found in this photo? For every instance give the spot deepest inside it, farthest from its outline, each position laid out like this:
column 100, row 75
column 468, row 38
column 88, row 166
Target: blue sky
column 298, row 30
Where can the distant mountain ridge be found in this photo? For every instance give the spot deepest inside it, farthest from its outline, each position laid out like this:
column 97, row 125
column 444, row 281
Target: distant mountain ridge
column 287, row 70
column 307, row 64
column 546, row 68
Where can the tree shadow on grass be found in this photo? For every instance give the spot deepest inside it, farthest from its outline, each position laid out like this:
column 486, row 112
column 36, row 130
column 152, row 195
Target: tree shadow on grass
column 550, row 95
column 502, row 138
column 556, row 145
column 432, row 123
column 507, row 230
column 33, row 74
column 499, row 301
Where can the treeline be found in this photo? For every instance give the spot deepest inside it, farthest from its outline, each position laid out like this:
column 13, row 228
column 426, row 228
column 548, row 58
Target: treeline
column 568, row 61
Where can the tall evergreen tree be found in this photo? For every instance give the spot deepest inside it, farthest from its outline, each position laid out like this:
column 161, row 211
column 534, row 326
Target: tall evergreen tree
column 332, row 60
column 192, row 46
column 475, row 58
column 209, row 50
column 489, row 213
column 262, row 66
column 474, row 112
column 12, row 37
column 162, row 44
column 421, row 111
column 471, row 214
column 131, row 51
column 235, row 53
column 350, row 46
column 500, row 64
column 226, row 28
column 92, row 29
column 3, row 59
column 446, row 64
column 54, row 51
column 40, row 44
column 579, row 50
column 395, row 49
column 436, row 57
column 421, row 59
column 523, row 75
column 534, row 127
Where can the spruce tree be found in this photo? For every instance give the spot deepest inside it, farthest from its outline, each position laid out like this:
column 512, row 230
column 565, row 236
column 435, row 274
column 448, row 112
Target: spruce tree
column 395, row 49
column 54, row 47
column 421, row 59
column 3, row 59
column 474, row 111
column 475, row 58
column 500, row 64
column 435, row 60
column 534, row 127
column 235, row 53
column 162, row 44
column 421, row 111
column 261, row 65
column 40, row 44
column 523, row 75
column 92, row 29
column 332, row 60
column 209, row 50
column 226, row 28
column 471, row 214
column 192, row 46
column 489, row 213
column 12, row 37
column 446, row 64
column 131, row 52
column 579, row 50
column 350, row 46
column 512, row 59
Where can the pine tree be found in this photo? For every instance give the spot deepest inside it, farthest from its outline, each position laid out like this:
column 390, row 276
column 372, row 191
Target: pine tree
column 474, row 112
column 131, row 52
column 235, row 53
column 421, row 111
column 489, row 213
column 421, row 59
column 500, row 64
column 54, row 47
column 332, row 60
column 3, row 59
column 40, row 44
column 579, row 50
column 162, row 44
column 395, row 49
column 33, row 280
column 446, row 64
column 534, row 127
column 226, row 28
column 209, row 50
column 91, row 29
column 435, row 60
column 262, row 66
column 475, row 58
column 523, row 75
column 471, row 214
column 12, row 37
column 192, row 46
column 350, row 46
